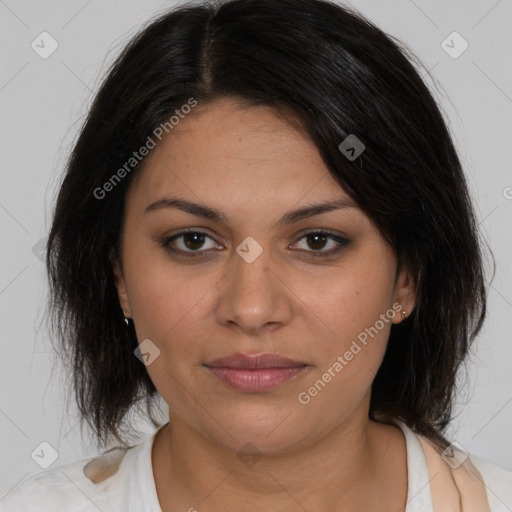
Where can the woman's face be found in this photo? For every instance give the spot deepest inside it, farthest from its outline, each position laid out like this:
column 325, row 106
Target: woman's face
column 254, row 282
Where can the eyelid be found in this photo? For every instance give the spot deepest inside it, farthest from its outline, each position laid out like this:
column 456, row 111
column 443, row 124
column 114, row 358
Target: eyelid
column 168, row 239
column 340, row 239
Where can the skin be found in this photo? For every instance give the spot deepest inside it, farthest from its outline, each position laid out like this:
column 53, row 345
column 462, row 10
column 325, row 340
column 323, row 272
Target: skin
column 255, row 166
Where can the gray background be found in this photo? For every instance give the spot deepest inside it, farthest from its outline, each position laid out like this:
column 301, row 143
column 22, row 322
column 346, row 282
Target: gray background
column 43, row 101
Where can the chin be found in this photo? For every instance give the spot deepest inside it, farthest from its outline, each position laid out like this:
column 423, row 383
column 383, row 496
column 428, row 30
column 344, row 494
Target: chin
column 269, row 433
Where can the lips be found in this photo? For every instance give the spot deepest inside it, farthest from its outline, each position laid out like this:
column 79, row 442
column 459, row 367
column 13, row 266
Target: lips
column 254, row 362
column 255, row 373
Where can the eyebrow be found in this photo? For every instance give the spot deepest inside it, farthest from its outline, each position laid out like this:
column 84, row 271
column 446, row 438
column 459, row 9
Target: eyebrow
column 208, row 212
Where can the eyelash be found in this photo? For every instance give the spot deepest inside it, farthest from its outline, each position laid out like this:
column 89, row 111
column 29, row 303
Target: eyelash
column 343, row 242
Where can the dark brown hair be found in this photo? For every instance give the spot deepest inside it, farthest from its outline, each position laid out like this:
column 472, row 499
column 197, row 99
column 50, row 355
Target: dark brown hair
column 339, row 75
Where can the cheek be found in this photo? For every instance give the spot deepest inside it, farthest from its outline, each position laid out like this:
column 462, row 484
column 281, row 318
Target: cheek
column 165, row 297
column 172, row 321
column 348, row 300
column 349, row 352
column 353, row 313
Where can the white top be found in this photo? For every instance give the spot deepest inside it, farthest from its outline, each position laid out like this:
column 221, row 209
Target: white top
column 132, row 487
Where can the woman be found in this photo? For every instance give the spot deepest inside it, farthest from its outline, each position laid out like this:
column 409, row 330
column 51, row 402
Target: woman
column 265, row 223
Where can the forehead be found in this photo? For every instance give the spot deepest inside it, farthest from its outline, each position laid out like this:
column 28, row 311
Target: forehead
column 230, row 151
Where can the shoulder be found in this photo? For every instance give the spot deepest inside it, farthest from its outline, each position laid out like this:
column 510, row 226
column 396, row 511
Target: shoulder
column 471, row 473
column 82, row 486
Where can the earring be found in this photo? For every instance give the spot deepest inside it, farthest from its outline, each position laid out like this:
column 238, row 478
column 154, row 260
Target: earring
column 126, row 320
column 404, row 314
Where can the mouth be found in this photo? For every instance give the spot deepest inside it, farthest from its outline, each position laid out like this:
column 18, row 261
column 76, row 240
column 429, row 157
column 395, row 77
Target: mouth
column 255, row 373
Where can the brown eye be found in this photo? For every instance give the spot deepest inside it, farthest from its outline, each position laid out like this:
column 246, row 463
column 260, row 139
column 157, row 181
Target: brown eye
column 189, row 242
column 316, row 241
column 193, row 240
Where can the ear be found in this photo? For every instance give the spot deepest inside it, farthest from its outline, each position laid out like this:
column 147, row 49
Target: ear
column 120, row 286
column 405, row 295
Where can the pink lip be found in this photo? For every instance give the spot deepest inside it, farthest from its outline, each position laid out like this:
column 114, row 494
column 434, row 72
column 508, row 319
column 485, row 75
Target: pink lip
column 255, row 373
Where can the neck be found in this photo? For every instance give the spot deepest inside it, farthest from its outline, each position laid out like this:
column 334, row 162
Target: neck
column 345, row 466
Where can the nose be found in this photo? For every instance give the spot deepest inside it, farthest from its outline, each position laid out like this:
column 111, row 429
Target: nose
column 253, row 296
